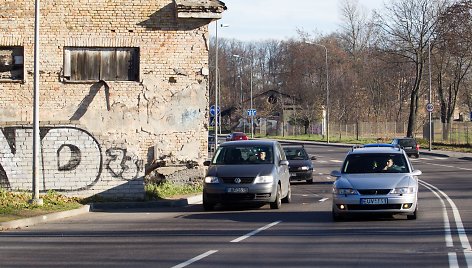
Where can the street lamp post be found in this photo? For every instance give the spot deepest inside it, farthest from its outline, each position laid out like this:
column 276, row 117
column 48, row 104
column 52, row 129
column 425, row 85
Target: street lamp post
column 327, row 87
column 36, row 138
column 251, row 109
column 217, row 86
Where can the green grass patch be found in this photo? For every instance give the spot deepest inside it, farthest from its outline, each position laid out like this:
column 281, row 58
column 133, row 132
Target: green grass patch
column 16, row 205
column 168, row 190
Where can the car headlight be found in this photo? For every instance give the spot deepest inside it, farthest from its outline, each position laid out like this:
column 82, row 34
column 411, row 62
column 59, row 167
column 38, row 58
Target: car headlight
column 345, row 191
column 211, row 179
column 404, row 190
column 264, row 179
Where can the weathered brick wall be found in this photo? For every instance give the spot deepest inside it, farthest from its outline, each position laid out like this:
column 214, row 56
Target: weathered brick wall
column 163, row 116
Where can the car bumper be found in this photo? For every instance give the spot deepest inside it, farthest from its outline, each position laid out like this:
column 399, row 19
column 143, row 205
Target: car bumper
column 256, row 193
column 394, row 205
column 301, row 175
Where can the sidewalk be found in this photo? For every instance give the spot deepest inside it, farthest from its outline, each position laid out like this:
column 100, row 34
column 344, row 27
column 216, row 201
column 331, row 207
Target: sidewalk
column 21, row 223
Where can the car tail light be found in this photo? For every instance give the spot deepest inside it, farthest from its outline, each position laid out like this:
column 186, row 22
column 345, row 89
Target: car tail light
column 417, row 147
column 244, row 138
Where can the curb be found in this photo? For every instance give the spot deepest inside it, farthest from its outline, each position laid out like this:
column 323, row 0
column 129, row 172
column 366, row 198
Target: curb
column 21, row 223
column 43, row 218
column 182, row 202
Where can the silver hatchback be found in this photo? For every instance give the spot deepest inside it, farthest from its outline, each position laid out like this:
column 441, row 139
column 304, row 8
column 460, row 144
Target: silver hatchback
column 254, row 171
column 376, row 180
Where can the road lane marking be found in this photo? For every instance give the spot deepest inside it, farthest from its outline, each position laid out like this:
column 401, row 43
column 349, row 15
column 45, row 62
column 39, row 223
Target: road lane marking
column 447, row 225
column 323, row 199
column 336, row 161
column 453, row 262
column 199, row 257
column 459, row 226
column 239, row 239
column 439, row 165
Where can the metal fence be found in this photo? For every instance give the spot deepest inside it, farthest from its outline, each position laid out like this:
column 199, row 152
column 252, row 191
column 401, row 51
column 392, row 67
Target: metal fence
column 454, row 133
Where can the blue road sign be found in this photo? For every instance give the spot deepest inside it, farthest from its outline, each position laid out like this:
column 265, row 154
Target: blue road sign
column 212, row 110
column 251, row 112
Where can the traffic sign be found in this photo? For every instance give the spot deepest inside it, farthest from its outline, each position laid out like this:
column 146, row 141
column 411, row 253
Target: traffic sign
column 212, row 110
column 429, row 107
column 251, row 112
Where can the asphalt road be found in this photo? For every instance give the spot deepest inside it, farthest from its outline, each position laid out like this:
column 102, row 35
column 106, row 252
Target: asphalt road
column 301, row 234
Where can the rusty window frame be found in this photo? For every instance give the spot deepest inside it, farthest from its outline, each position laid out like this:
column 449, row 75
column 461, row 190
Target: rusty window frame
column 12, row 63
column 82, row 64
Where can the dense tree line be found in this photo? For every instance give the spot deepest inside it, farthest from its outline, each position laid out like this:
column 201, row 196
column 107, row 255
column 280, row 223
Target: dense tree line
column 382, row 66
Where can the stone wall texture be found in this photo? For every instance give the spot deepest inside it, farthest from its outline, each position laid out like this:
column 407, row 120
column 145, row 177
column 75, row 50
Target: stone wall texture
column 100, row 138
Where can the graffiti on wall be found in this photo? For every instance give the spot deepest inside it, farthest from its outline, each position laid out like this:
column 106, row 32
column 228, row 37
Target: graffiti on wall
column 71, row 159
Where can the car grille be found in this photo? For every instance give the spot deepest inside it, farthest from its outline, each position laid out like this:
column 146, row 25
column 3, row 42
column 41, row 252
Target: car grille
column 374, row 207
column 374, row 191
column 230, row 180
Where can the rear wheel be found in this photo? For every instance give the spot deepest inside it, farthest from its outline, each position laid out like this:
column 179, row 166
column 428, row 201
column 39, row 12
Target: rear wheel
column 278, row 201
column 288, row 198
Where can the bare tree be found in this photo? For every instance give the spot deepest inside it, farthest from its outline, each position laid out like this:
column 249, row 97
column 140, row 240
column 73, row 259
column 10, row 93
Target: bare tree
column 453, row 58
column 409, row 27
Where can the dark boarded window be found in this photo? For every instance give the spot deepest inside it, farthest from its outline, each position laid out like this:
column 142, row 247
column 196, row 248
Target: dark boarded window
column 93, row 64
column 11, row 63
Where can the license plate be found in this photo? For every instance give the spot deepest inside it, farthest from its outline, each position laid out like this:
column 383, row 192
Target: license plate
column 293, row 174
column 237, row 190
column 374, row 201
column 408, row 147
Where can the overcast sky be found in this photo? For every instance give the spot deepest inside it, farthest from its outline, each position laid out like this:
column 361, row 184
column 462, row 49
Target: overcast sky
column 254, row 20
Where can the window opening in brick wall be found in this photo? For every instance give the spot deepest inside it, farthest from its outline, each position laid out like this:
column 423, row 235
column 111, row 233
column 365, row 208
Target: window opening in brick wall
column 11, row 63
column 95, row 63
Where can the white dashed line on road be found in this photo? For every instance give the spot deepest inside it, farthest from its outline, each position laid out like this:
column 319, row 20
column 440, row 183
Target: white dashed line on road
column 323, row 199
column 239, row 239
column 199, row 257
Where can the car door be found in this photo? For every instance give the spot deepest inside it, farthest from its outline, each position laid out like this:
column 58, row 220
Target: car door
column 282, row 169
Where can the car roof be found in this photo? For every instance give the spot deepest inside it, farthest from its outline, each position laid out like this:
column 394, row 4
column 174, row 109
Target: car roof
column 378, row 145
column 405, row 138
column 376, row 150
column 250, row 143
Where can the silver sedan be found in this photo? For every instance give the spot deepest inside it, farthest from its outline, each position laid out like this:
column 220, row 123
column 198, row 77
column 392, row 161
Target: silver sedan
column 375, row 180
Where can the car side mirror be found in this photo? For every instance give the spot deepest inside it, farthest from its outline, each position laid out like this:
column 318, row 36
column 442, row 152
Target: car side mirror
column 335, row 173
column 283, row 163
column 416, row 172
column 313, row 157
column 207, row 163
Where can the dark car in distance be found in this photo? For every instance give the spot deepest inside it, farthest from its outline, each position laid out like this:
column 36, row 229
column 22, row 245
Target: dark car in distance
column 236, row 136
column 409, row 145
column 300, row 163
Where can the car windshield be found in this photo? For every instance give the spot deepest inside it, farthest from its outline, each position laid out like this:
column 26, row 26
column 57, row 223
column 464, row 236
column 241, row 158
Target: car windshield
column 237, row 155
column 409, row 143
column 375, row 163
column 296, row 154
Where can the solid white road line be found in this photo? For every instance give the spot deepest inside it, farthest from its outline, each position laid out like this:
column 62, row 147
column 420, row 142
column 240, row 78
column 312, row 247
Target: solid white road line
column 447, row 225
column 255, row 232
column 336, row 161
column 459, row 226
column 453, row 262
column 199, row 257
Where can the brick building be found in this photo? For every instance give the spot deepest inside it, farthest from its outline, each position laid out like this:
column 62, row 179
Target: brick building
column 123, row 87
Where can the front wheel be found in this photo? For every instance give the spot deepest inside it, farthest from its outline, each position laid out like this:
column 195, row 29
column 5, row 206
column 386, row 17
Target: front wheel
column 278, row 201
column 414, row 215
